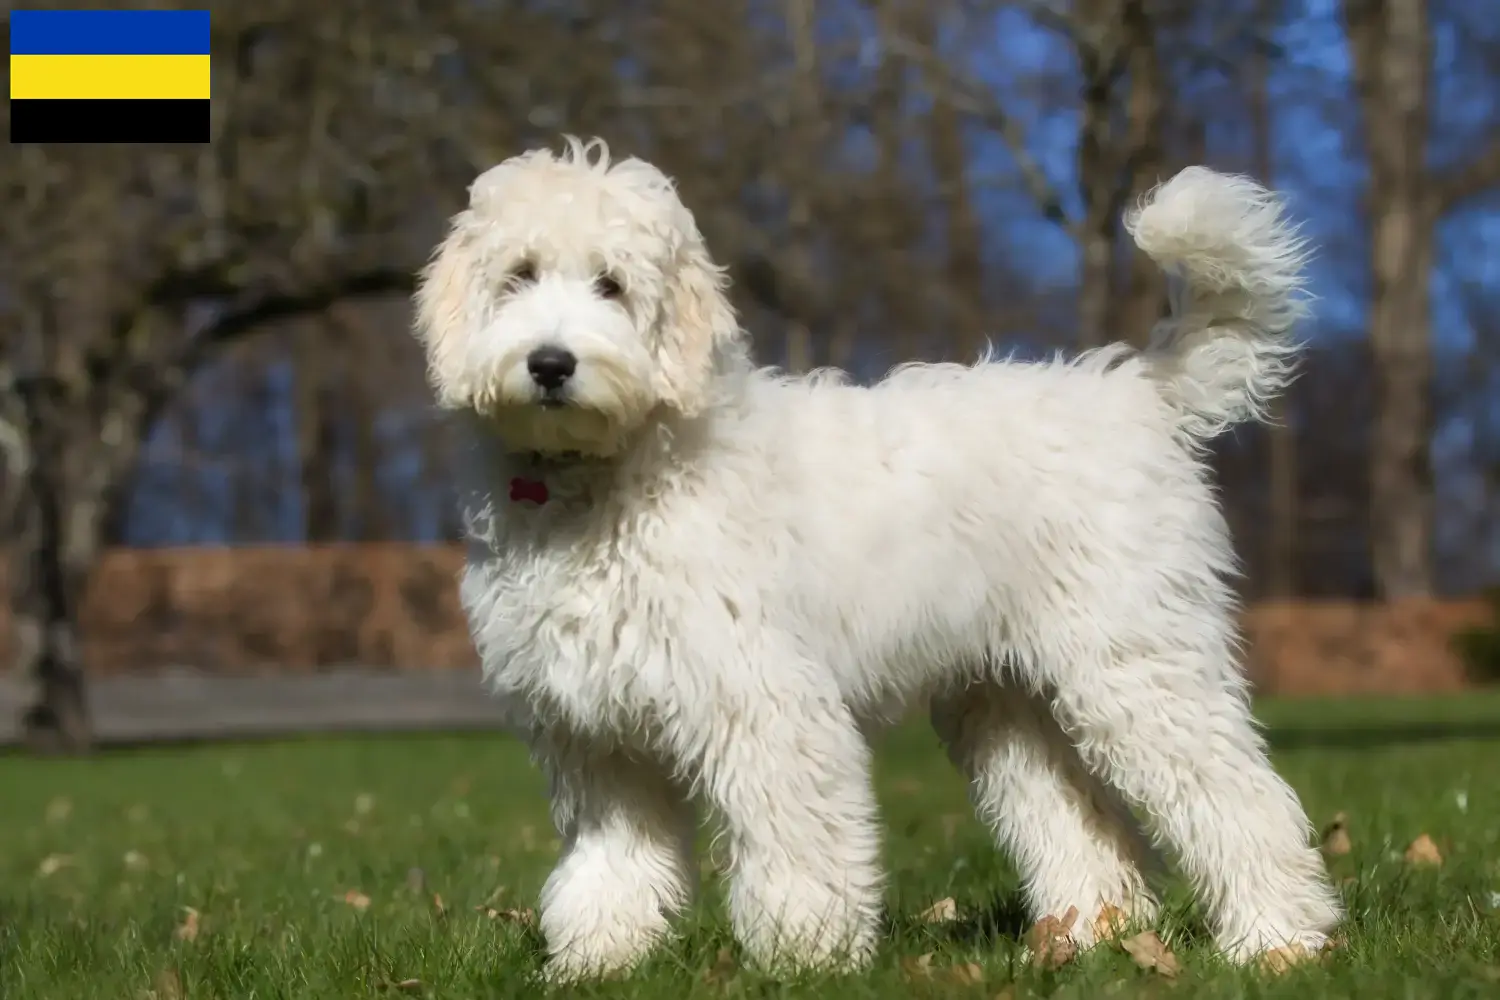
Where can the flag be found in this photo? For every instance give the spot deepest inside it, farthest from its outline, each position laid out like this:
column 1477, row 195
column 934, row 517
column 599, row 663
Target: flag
column 109, row 76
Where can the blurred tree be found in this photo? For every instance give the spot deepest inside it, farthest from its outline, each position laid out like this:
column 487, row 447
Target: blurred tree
column 1391, row 43
column 127, row 270
column 1281, row 435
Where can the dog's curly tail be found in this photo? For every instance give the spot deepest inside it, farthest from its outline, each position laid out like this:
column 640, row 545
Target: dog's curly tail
column 1236, row 264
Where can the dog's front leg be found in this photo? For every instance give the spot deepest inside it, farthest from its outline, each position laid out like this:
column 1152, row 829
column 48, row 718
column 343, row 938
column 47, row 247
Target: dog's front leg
column 788, row 770
column 626, row 866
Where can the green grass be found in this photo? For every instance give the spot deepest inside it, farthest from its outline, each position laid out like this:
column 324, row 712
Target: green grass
column 265, row 841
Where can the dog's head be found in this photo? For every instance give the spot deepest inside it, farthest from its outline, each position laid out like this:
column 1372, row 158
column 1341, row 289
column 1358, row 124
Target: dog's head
column 571, row 300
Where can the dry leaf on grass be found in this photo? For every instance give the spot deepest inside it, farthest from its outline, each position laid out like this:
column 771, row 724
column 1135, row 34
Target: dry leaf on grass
column 404, row 986
column 439, row 909
column 942, row 912
column 1336, row 842
column 188, row 929
column 1279, row 960
column 52, row 864
column 968, row 974
column 508, row 916
column 723, row 968
column 166, row 986
column 1051, row 942
column 921, row 967
column 917, row 966
column 1110, row 923
column 357, row 899
column 1423, row 852
column 1147, row 951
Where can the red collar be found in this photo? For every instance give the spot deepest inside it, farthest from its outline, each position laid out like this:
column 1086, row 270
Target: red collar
column 533, row 490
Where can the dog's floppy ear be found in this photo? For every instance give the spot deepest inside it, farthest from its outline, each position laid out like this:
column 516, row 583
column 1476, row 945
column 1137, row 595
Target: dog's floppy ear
column 697, row 323
column 441, row 302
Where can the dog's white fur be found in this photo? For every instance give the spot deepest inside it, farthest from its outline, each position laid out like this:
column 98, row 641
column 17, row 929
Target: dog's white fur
column 737, row 573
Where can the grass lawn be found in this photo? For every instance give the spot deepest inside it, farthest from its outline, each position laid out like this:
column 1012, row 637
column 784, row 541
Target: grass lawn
column 313, row 866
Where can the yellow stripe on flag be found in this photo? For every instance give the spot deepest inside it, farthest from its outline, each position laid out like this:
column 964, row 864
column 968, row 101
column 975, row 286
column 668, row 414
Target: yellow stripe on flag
column 151, row 78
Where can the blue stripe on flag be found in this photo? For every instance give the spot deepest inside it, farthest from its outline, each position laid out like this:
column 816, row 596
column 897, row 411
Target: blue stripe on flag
column 109, row 32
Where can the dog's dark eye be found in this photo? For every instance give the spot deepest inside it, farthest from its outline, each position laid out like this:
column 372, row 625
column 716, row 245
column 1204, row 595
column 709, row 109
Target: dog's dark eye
column 523, row 273
column 609, row 286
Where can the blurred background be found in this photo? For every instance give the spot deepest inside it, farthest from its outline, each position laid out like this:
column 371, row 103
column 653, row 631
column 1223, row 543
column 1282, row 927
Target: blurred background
column 226, row 495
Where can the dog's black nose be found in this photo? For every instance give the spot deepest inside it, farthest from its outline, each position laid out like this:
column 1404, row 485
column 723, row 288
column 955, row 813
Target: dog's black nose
column 550, row 367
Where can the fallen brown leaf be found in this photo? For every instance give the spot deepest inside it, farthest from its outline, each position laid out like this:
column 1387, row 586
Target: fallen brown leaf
column 1423, row 852
column 438, row 906
column 1051, row 942
column 917, row 966
column 408, row 986
column 1110, row 923
column 1147, row 951
column 723, row 967
column 188, row 929
column 1336, row 842
column 166, row 986
column 1279, row 960
column 968, row 974
column 942, row 912
column 508, row 916
column 357, row 899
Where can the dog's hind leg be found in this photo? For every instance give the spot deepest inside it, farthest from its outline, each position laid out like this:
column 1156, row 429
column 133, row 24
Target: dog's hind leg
column 627, row 859
column 1166, row 726
column 1075, row 843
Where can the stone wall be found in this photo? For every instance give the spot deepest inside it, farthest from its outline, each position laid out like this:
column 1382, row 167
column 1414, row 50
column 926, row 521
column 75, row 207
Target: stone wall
column 394, row 607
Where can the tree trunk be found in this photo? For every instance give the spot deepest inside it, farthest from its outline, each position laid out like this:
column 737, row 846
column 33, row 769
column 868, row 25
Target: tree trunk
column 1097, row 174
column 1144, row 298
column 1115, row 42
column 317, row 432
column 964, row 307
column 1281, row 435
column 1391, row 45
column 892, row 227
column 59, row 518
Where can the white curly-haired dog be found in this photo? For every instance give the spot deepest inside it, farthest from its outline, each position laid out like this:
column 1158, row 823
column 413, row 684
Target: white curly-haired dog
column 695, row 580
